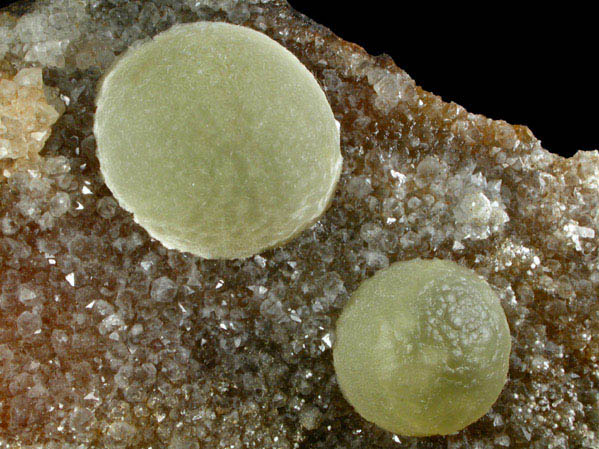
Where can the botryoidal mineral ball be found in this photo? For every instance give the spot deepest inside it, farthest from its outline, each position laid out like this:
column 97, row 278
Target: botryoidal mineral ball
column 422, row 348
column 218, row 140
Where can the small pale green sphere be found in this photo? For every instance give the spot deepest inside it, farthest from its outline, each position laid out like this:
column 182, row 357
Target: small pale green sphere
column 218, row 140
column 422, row 348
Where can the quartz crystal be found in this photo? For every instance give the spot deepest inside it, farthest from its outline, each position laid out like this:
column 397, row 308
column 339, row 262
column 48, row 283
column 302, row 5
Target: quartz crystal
column 224, row 148
column 237, row 353
column 25, row 118
column 422, row 348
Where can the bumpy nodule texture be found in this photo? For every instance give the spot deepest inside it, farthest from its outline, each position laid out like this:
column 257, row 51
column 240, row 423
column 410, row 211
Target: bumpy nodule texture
column 217, row 139
column 423, row 348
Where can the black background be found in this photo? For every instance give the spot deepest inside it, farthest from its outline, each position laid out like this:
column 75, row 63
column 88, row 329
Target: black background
column 525, row 65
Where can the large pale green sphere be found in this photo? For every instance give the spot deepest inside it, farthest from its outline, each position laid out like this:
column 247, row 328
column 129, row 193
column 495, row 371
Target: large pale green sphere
column 217, row 139
column 422, row 348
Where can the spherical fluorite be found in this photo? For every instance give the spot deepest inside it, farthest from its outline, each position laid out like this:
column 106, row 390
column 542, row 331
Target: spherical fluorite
column 422, row 348
column 217, row 139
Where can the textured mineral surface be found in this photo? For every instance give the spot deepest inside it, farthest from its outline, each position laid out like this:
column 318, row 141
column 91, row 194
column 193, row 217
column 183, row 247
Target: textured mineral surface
column 108, row 340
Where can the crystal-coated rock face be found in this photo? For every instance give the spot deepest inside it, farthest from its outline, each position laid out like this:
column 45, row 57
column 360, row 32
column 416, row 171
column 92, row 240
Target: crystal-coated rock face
column 141, row 346
column 422, row 348
column 225, row 147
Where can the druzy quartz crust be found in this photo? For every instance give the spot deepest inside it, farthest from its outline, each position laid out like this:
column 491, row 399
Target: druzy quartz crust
column 108, row 339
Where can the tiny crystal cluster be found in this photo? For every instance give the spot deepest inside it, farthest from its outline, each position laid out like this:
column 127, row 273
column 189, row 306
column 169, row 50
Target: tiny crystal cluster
column 108, row 340
column 25, row 118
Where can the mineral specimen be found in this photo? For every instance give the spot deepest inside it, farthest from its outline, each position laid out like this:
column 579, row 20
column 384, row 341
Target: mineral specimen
column 224, row 147
column 140, row 346
column 422, row 348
